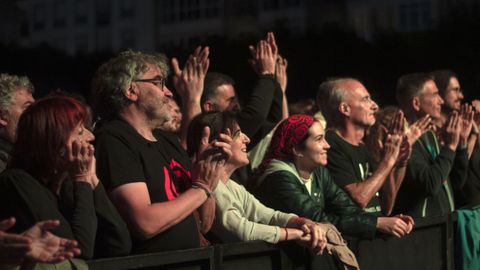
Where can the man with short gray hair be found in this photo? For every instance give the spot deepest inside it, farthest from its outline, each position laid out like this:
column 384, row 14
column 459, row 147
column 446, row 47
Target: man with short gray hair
column 437, row 167
column 349, row 111
column 15, row 96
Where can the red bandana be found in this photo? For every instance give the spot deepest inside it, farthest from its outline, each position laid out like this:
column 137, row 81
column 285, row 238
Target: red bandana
column 287, row 136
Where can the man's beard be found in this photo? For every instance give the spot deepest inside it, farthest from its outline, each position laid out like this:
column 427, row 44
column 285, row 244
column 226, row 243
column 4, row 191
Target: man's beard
column 157, row 114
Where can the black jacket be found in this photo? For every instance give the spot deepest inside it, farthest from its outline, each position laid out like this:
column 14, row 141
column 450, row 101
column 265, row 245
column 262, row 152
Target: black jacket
column 423, row 192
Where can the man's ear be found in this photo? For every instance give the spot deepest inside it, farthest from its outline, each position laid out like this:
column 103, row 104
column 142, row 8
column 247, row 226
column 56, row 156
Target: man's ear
column 344, row 108
column 416, row 104
column 3, row 118
column 208, row 106
column 132, row 92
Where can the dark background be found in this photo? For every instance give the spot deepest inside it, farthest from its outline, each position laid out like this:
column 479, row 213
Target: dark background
column 327, row 52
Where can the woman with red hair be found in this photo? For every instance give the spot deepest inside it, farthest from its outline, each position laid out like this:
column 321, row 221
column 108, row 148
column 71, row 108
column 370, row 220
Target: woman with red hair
column 51, row 176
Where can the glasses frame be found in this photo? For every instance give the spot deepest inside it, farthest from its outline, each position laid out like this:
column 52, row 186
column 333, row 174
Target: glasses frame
column 158, row 81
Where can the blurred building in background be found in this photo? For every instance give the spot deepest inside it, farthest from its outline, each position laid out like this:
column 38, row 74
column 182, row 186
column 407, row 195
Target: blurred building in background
column 85, row 26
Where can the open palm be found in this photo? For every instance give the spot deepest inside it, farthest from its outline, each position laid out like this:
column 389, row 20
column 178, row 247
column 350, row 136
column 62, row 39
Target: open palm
column 47, row 247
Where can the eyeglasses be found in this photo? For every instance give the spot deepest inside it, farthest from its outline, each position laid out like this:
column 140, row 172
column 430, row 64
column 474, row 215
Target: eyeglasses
column 457, row 90
column 158, row 81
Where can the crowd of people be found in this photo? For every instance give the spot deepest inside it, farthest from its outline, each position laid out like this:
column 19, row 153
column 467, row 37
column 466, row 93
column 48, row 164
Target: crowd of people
column 165, row 169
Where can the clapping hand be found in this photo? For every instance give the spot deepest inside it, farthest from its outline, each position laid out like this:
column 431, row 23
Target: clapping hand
column 264, row 55
column 36, row 244
column 189, row 82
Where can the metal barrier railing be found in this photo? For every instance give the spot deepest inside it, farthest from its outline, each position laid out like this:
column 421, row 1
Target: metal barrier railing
column 429, row 246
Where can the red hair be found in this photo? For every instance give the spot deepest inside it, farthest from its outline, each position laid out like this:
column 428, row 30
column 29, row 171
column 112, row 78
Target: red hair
column 43, row 131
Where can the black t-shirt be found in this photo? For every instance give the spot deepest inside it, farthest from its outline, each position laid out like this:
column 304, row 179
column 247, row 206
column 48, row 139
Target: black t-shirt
column 124, row 156
column 349, row 164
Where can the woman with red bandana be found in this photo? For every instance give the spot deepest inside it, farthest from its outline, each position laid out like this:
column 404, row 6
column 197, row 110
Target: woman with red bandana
column 292, row 178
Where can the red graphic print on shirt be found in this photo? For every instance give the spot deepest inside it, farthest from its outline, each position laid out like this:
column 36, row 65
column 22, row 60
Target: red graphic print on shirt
column 175, row 174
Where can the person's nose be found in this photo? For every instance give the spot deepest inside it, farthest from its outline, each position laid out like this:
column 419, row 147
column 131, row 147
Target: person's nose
column 89, row 137
column 246, row 139
column 440, row 100
column 374, row 106
column 167, row 91
column 326, row 145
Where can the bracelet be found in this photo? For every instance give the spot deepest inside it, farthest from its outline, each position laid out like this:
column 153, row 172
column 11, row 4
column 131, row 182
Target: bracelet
column 207, row 192
column 286, row 234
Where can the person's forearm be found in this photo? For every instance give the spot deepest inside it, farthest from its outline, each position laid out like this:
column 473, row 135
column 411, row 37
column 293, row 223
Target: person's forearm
column 472, row 141
column 207, row 214
column 287, row 234
column 284, row 107
column 257, row 106
column 158, row 217
column 84, row 220
column 390, row 189
column 191, row 109
column 362, row 192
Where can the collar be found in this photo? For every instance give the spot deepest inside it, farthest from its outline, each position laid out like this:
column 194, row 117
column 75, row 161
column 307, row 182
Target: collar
column 278, row 165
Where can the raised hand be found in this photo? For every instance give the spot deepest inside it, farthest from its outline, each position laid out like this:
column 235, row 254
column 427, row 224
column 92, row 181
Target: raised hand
column 209, row 161
column 465, row 122
column 281, row 72
column 273, row 43
column 398, row 131
column 452, row 131
column 48, row 248
column 391, row 148
column 264, row 55
column 417, row 129
column 476, row 107
column 397, row 125
column 189, row 82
